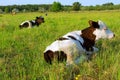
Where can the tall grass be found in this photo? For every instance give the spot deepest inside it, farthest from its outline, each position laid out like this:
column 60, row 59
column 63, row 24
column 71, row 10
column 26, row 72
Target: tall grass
column 21, row 51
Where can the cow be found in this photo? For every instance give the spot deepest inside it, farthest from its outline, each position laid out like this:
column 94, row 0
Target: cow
column 73, row 45
column 32, row 23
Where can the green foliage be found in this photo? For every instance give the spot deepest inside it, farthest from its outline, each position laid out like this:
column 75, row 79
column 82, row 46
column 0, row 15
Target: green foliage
column 21, row 51
column 99, row 7
column 25, row 8
column 1, row 11
column 76, row 6
column 56, row 6
column 108, row 4
column 6, row 10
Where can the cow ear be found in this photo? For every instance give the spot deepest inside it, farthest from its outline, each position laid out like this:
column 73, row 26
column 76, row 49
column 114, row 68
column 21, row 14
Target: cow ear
column 93, row 24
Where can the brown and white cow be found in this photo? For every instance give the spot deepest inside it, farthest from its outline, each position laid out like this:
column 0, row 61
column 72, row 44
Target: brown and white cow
column 32, row 23
column 73, row 45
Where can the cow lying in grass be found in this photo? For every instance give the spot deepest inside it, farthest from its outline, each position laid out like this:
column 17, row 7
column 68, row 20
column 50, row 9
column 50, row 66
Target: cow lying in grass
column 32, row 23
column 71, row 46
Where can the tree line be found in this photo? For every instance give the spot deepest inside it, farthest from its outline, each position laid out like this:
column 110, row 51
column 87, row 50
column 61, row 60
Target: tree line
column 55, row 7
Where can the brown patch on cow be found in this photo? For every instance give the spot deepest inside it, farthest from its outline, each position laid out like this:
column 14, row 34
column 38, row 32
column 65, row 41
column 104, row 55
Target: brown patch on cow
column 60, row 56
column 39, row 20
column 93, row 24
column 88, row 36
column 62, row 38
column 25, row 25
column 72, row 37
column 49, row 56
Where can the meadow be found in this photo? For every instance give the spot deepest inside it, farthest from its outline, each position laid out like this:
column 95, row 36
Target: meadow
column 21, row 51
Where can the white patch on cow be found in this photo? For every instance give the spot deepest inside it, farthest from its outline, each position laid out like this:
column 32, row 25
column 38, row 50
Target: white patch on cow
column 103, row 31
column 33, row 21
column 71, row 47
column 76, row 34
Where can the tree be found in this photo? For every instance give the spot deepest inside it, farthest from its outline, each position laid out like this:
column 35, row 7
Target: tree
column 6, row 10
column 1, row 11
column 41, row 9
column 76, row 6
column 56, row 6
column 108, row 4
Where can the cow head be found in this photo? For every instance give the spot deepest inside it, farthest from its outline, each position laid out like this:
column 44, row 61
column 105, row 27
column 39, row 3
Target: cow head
column 39, row 20
column 101, row 30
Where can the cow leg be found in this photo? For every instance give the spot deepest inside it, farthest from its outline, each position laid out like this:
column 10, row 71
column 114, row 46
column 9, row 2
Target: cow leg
column 69, row 59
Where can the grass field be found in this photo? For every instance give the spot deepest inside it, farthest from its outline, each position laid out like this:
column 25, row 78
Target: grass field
column 21, row 51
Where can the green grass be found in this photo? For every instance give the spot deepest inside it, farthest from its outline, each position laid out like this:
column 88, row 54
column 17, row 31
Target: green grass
column 21, row 51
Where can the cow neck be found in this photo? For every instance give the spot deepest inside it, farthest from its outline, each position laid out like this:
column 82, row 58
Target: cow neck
column 89, row 38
